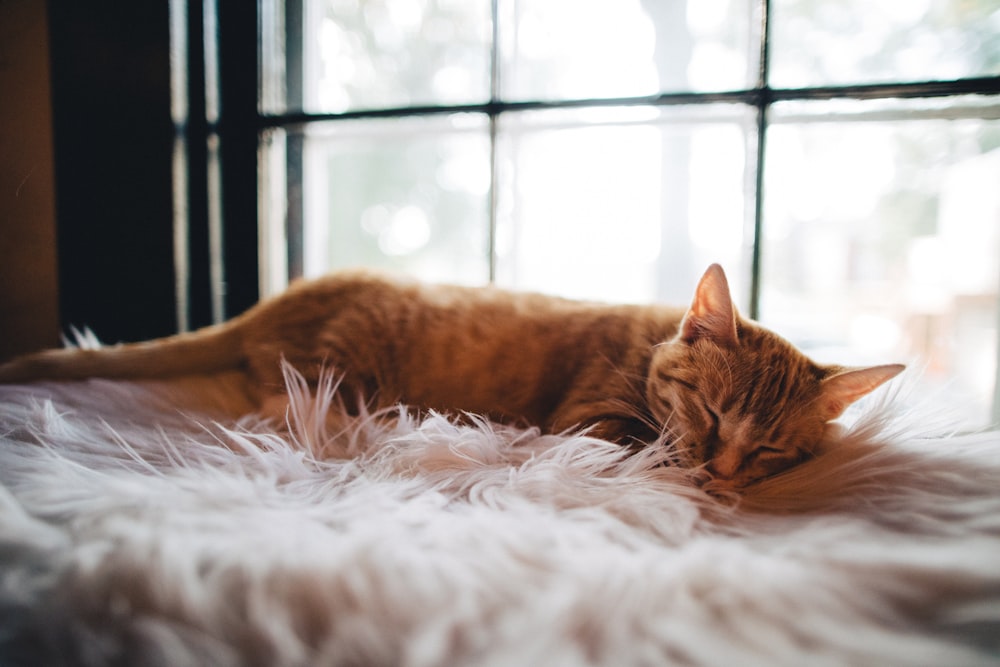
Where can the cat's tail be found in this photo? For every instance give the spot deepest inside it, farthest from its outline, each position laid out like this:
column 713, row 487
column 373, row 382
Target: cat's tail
column 207, row 350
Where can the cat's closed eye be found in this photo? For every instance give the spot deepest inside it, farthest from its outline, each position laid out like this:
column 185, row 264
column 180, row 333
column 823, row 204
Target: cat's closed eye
column 769, row 452
column 713, row 422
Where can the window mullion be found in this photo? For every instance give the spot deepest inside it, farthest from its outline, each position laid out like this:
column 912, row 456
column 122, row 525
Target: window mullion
column 763, row 102
column 494, row 113
column 237, row 129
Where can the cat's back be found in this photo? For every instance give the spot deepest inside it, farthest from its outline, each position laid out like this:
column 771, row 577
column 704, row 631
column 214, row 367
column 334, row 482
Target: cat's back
column 386, row 309
column 375, row 290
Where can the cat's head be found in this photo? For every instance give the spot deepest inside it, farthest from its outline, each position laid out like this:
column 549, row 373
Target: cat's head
column 739, row 398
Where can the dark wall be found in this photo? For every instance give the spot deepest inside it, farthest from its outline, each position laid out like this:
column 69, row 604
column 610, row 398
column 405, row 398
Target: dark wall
column 113, row 138
column 28, row 294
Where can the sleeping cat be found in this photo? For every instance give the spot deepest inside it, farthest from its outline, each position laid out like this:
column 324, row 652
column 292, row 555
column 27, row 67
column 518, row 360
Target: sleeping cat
column 726, row 392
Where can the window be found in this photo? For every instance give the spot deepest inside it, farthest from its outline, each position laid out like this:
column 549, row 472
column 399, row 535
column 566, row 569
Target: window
column 841, row 161
column 477, row 141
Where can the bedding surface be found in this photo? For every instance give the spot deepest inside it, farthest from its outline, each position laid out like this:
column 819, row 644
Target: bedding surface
column 159, row 524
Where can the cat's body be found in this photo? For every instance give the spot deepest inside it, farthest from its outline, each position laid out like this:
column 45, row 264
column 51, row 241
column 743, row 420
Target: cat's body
column 730, row 393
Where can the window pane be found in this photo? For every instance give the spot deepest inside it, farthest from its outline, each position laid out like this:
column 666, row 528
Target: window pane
column 563, row 49
column 881, row 243
column 815, row 43
column 405, row 194
column 622, row 204
column 361, row 54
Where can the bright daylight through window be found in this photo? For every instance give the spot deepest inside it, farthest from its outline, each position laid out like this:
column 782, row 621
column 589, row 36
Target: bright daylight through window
column 841, row 160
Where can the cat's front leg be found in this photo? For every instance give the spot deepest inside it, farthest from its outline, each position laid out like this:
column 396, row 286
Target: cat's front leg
column 274, row 407
column 606, row 425
column 630, row 431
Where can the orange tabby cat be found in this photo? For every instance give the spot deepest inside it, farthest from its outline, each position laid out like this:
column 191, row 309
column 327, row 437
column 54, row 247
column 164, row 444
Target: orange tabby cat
column 729, row 393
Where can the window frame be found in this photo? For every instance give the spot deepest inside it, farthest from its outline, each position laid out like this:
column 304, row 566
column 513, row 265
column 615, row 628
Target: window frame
column 219, row 207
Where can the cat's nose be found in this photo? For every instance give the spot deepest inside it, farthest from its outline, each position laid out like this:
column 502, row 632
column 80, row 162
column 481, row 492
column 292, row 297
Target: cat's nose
column 723, row 467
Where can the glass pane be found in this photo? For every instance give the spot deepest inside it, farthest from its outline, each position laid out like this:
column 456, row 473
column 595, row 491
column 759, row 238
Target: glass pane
column 362, row 54
column 881, row 244
column 564, row 49
column 409, row 195
column 816, row 43
column 622, row 204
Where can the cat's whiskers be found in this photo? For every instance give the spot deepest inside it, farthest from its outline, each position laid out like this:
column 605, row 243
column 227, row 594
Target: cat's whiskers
column 630, row 377
column 631, row 410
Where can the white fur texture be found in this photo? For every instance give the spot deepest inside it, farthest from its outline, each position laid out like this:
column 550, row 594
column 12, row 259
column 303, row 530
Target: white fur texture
column 147, row 524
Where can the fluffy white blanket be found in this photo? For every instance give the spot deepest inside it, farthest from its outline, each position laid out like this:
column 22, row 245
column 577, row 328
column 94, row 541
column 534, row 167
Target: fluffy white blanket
column 148, row 524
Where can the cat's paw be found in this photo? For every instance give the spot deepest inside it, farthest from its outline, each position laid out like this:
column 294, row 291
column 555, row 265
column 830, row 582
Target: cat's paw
column 275, row 408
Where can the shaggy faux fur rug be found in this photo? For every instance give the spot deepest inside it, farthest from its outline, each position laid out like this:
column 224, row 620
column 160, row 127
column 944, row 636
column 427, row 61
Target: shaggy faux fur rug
column 150, row 524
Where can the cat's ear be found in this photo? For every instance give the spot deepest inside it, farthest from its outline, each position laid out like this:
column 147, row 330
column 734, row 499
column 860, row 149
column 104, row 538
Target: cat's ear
column 846, row 386
column 711, row 315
